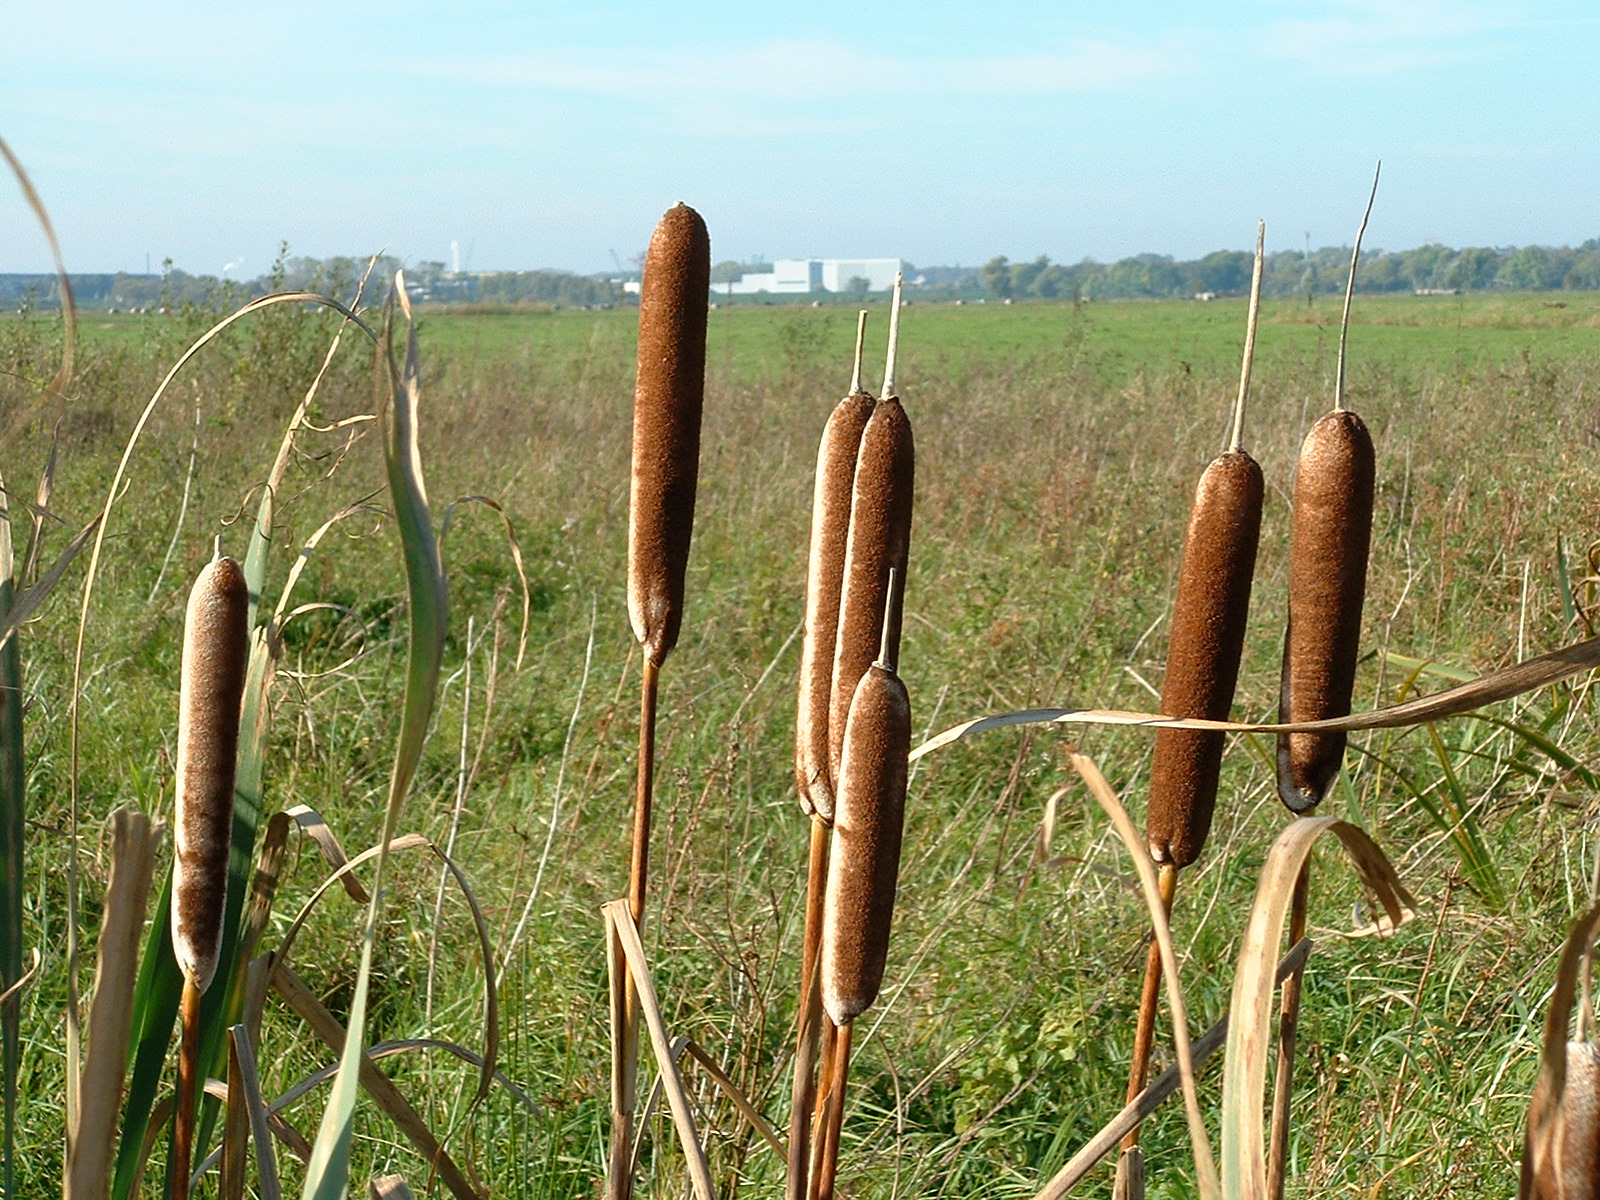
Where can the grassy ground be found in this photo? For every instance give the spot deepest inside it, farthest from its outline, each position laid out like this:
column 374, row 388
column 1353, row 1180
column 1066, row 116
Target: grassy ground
column 1057, row 450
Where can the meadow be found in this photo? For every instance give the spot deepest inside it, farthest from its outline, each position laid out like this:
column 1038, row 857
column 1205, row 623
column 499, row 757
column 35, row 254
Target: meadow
column 1058, row 448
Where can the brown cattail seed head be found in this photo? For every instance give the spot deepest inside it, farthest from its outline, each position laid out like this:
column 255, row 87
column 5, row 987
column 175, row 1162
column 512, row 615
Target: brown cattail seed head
column 830, row 529
column 880, row 541
column 865, row 858
column 667, row 398
column 1329, row 536
column 1572, row 1170
column 216, row 648
column 1208, row 624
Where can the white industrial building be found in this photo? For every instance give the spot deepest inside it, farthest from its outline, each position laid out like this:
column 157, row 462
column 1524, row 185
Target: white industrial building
column 795, row 276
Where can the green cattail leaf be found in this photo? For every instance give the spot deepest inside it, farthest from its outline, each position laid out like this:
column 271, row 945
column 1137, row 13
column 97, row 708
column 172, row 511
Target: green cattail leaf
column 328, row 1172
column 13, row 807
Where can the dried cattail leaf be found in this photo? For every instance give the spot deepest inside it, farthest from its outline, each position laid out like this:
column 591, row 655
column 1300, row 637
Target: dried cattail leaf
column 879, row 542
column 216, row 647
column 1570, row 1170
column 667, row 399
column 830, row 531
column 1329, row 536
column 865, row 858
column 1208, row 626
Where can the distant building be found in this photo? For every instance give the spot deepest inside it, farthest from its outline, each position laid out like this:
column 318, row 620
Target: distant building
column 797, row 276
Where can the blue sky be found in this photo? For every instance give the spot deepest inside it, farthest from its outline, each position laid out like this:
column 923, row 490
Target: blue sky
column 543, row 134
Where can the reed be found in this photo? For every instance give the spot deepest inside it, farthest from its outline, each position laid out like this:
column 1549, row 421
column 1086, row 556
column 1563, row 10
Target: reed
column 216, row 646
column 667, row 399
column 1208, row 626
column 830, row 529
column 1330, row 533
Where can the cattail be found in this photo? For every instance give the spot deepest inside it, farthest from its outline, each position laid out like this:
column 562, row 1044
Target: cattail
column 879, row 542
column 216, row 645
column 1570, row 1170
column 865, row 858
column 1208, row 624
column 863, row 866
column 673, row 303
column 1330, row 532
column 1329, row 536
column 667, row 398
column 830, row 530
column 216, row 650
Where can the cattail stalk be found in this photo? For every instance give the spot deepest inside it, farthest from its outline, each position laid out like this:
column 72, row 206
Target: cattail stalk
column 1330, row 533
column 216, row 647
column 862, row 868
column 1208, row 628
column 830, row 529
column 668, row 395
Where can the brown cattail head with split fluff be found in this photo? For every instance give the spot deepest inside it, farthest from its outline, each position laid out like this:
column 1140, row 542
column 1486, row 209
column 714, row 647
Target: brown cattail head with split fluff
column 865, row 858
column 216, row 648
column 667, row 398
column 1570, row 1170
column 1208, row 624
column 1329, row 535
column 879, row 542
column 830, row 529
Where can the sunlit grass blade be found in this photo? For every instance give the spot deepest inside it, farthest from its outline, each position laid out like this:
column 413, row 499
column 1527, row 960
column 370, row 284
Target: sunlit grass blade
column 327, row 1175
column 1244, row 1080
column 133, row 860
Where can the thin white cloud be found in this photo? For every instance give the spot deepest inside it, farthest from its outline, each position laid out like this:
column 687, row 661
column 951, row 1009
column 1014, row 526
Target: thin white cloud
column 1387, row 37
column 802, row 71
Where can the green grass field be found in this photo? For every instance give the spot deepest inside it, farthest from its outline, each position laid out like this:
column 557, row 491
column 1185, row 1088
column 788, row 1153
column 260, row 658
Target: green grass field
column 1057, row 450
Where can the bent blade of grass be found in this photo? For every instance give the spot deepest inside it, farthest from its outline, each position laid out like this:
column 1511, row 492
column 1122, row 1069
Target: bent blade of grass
column 328, row 1174
column 1205, row 1165
column 621, row 929
column 242, row 1062
column 1244, row 1072
column 1526, row 676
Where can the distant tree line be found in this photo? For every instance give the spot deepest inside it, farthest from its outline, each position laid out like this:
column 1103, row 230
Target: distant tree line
column 1293, row 272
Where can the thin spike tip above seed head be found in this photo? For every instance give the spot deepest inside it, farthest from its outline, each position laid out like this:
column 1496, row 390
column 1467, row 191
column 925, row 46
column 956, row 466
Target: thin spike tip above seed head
column 830, row 531
column 216, row 647
column 1208, row 628
column 1330, row 534
column 864, row 862
column 673, row 303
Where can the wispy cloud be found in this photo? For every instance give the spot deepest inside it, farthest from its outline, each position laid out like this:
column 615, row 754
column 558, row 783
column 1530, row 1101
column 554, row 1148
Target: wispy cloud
column 817, row 70
column 1387, row 37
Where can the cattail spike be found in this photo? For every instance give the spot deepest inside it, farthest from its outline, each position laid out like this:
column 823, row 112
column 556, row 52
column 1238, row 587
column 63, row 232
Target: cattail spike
column 673, row 303
column 1236, row 441
column 894, row 338
column 1349, row 292
column 865, row 859
column 215, row 653
column 861, row 341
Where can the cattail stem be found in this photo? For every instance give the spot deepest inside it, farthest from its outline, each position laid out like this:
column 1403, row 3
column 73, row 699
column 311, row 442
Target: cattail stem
column 894, row 338
column 625, row 1050
column 861, row 341
column 1288, row 1027
column 1144, row 1028
column 1236, row 440
column 1349, row 293
column 833, row 1119
column 188, row 1093
column 810, row 1023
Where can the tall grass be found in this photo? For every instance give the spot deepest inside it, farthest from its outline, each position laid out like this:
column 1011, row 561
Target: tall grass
column 1045, row 550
